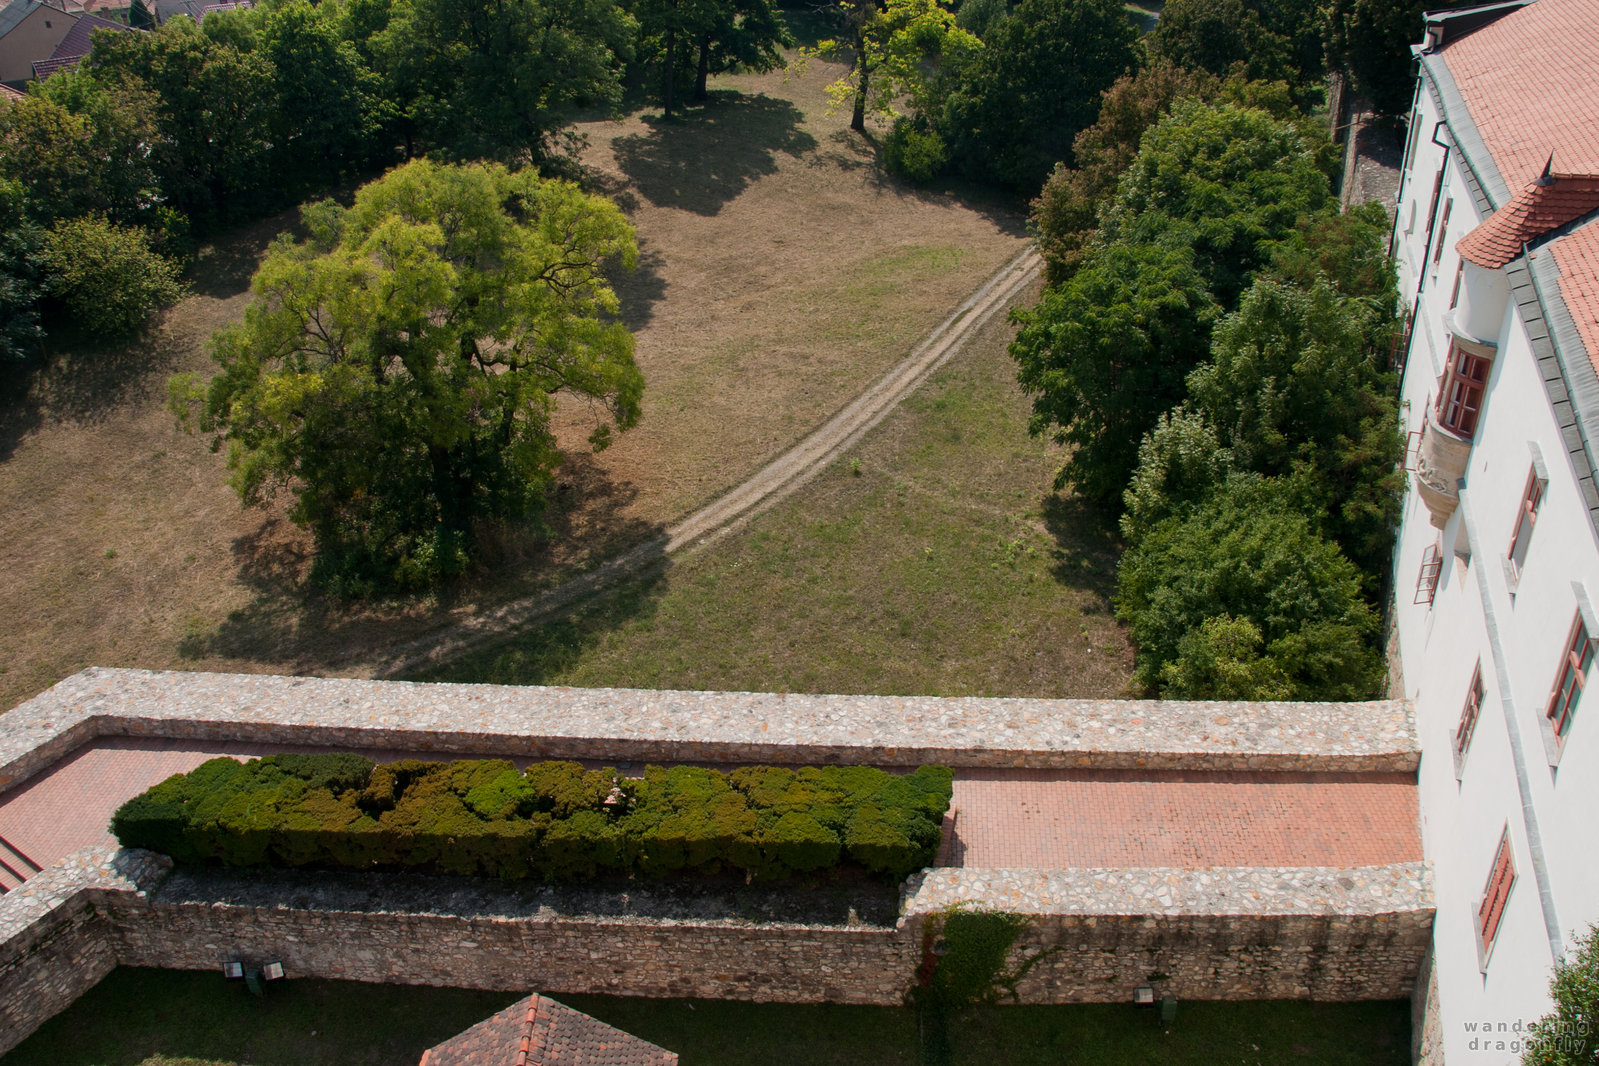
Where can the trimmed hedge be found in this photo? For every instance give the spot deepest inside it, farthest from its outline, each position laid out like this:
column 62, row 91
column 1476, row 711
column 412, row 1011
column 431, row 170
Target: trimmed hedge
column 554, row 821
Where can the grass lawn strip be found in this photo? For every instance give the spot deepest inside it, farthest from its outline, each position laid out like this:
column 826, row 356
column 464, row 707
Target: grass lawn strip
column 162, row 1018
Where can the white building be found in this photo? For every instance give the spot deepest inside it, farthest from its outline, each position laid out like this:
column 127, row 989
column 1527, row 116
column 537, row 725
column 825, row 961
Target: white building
column 1497, row 568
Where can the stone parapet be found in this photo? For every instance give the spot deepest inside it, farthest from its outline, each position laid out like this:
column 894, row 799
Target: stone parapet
column 55, row 941
column 721, row 727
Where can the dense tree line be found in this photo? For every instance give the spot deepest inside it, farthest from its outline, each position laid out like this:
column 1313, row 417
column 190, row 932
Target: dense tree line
column 164, row 137
column 1212, row 348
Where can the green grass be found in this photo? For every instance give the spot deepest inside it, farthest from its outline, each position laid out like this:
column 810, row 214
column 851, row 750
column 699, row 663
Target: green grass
column 166, row 1018
column 929, row 560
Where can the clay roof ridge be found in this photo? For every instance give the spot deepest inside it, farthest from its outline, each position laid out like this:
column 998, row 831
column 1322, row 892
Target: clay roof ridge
column 1543, row 206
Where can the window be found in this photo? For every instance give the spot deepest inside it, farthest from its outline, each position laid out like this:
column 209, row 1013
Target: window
column 1468, row 718
column 1528, row 517
column 1443, row 232
column 1432, row 564
column 1454, row 294
column 1460, row 401
column 1570, row 679
column 1491, row 911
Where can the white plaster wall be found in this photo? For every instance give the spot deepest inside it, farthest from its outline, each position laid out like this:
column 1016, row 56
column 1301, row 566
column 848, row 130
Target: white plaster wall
column 1439, row 645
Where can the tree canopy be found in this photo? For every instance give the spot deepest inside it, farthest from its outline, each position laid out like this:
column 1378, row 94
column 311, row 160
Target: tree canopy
column 1246, row 554
column 1104, row 354
column 397, row 370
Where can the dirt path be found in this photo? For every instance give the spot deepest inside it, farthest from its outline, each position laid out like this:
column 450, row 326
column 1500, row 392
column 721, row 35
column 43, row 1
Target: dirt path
column 759, row 492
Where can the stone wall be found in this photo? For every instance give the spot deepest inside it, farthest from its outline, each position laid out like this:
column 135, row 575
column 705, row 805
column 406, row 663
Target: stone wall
column 646, row 725
column 56, row 940
column 1093, row 935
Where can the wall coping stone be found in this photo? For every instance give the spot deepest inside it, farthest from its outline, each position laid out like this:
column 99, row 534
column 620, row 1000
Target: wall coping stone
column 640, row 724
column 91, row 871
column 1153, row 892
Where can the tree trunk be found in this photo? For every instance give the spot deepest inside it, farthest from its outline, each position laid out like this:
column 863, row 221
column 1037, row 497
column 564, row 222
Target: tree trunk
column 671, row 69
column 700, row 92
column 857, row 121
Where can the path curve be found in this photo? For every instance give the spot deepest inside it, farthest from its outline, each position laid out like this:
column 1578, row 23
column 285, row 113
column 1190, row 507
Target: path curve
column 762, row 490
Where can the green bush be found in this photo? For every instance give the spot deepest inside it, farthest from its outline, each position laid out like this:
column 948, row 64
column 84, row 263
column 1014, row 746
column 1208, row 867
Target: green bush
column 554, row 821
column 108, row 276
column 914, row 152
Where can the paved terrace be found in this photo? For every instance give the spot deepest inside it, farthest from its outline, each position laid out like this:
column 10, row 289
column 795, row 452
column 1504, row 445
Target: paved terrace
column 1040, row 784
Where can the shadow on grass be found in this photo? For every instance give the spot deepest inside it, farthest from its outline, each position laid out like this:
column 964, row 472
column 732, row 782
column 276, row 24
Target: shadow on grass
column 642, row 289
column 1087, row 545
column 290, row 618
column 706, row 156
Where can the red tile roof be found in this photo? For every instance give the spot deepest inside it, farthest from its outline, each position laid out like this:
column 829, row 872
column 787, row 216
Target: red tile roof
column 8, row 93
column 1577, row 255
column 538, row 1031
column 1531, row 82
column 1534, row 211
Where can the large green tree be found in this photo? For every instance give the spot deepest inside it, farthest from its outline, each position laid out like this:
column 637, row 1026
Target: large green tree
column 397, row 370
column 1034, row 86
column 1294, row 390
column 1104, row 354
column 1227, row 181
column 898, row 49
column 1246, row 554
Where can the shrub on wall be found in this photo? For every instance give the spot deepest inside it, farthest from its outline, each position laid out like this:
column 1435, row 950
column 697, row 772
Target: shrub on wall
column 554, row 821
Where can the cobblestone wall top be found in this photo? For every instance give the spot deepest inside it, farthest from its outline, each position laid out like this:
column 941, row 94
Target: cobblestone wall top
column 705, row 726
column 102, row 869
column 1366, row 890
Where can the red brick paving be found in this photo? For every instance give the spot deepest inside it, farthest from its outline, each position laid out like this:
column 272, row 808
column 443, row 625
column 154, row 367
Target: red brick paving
column 1007, row 818
column 1118, row 818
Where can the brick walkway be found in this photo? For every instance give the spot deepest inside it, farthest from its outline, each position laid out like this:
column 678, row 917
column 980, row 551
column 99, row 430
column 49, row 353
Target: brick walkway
column 1007, row 818
column 1115, row 818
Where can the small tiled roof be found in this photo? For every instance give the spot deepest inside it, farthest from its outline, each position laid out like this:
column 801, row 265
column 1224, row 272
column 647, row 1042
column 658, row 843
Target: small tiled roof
column 1577, row 255
column 8, row 93
column 75, row 45
column 538, row 1031
column 1531, row 82
column 1534, row 211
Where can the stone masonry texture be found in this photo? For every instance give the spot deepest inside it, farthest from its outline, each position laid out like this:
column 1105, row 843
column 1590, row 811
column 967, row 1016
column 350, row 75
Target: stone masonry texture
column 636, row 724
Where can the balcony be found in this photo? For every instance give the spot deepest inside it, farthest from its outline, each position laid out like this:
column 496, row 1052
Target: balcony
column 1440, row 464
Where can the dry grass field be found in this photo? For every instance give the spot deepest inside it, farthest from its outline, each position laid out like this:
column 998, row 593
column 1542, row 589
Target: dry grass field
column 781, row 272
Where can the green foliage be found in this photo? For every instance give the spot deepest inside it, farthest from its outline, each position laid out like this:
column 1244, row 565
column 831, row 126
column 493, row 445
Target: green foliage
column 1180, row 462
column 20, row 240
column 977, row 17
column 963, row 965
column 914, row 152
column 1034, row 86
column 397, row 370
column 1371, row 39
column 1214, row 35
column 897, row 47
column 1066, row 213
column 555, row 821
column 1294, row 390
column 1106, row 353
column 1222, row 660
column 107, row 275
column 1246, row 553
column 1569, row 1035
column 1228, row 181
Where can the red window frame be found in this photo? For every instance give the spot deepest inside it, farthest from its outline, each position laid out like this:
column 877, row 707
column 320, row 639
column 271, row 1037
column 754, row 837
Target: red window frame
column 1443, row 232
column 1460, row 400
column 1432, row 565
column 1454, row 294
column 1570, row 679
column 1468, row 714
column 1491, row 910
column 1526, row 519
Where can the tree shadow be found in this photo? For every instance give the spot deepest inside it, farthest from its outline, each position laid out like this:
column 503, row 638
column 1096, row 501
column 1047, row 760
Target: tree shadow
column 224, row 267
column 83, row 379
column 289, row 618
column 706, row 156
column 20, row 410
column 642, row 289
column 1087, row 545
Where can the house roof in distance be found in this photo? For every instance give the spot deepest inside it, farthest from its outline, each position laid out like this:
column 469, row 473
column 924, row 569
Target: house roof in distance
column 69, row 52
column 537, row 1031
column 12, row 14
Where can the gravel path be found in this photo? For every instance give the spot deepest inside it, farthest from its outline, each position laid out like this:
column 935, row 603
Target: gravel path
column 759, row 493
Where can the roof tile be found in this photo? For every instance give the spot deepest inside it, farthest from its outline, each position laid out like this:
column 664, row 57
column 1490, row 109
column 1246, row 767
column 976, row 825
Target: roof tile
column 1577, row 255
column 1531, row 82
column 1534, row 211
column 538, row 1031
